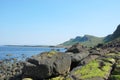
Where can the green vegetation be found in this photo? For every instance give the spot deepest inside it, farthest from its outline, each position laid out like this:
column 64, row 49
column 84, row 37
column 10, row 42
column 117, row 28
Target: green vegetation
column 51, row 53
column 91, row 41
column 93, row 69
column 68, row 78
column 57, row 78
column 110, row 60
column 27, row 79
column 86, row 40
column 116, row 72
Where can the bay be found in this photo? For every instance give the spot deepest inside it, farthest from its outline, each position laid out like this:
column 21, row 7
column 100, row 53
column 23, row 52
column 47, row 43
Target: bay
column 20, row 51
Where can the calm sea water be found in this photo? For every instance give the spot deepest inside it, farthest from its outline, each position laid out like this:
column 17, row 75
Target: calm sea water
column 17, row 51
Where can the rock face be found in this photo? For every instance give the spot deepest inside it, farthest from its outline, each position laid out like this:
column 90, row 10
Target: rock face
column 77, row 57
column 77, row 53
column 115, row 75
column 77, row 48
column 46, row 65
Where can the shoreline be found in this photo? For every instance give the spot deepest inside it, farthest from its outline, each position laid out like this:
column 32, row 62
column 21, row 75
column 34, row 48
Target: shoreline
column 50, row 46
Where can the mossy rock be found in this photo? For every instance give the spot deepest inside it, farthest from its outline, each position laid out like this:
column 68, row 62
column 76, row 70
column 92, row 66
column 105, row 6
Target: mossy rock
column 27, row 79
column 68, row 78
column 94, row 69
column 116, row 70
column 110, row 60
column 57, row 78
column 51, row 53
column 115, row 77
column 61, row 78
column 113, row 55
column 118, row 62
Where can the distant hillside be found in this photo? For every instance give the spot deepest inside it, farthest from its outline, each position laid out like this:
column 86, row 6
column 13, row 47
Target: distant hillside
column 91, row 41
column 115, row 35
column 86, row 40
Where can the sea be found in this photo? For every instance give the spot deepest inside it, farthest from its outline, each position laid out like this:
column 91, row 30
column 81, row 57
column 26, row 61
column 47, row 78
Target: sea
column 24, row 51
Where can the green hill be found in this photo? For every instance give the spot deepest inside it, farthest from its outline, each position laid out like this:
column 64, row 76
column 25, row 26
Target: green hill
column 86, row 40
column 91, row 41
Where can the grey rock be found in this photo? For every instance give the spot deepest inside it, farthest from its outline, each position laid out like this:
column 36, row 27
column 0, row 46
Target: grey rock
column 78, row 48
column 46, row 65
column 77, row 57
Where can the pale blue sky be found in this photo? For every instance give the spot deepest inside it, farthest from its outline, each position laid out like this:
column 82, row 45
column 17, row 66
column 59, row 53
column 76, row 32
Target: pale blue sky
column 50, row 22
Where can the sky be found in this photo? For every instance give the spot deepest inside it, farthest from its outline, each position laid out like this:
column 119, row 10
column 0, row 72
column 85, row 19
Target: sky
column 51, row 22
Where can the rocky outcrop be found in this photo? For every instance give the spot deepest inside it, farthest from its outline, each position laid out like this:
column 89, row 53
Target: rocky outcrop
column 98, row 69
column 115, row 74
column 46, row 65
column 78, row 48
column 78, row 63
column 98, row 65
column 77, row 57
column 77, row 53
column 114, row 44
column 94, row 53
column 56, row 66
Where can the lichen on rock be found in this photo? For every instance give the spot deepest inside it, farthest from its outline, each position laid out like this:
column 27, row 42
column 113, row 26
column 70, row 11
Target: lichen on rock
column 51, row 53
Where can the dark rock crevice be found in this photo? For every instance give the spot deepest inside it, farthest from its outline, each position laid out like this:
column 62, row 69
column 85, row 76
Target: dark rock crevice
column 73, row 65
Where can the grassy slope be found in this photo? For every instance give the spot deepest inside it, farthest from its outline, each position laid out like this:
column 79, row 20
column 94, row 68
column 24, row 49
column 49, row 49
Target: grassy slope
column 92, row 41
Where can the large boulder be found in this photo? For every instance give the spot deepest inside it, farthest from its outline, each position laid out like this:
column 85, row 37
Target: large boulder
column 98, row 69
column 46, row 65
column 88, row 59
column 77, row 57
column 77, row 52
column 77, row 48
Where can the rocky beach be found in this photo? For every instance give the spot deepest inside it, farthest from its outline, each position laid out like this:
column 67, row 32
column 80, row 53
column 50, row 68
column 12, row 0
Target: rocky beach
column 59, row 39
column 77, row 63
column 101, row 62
